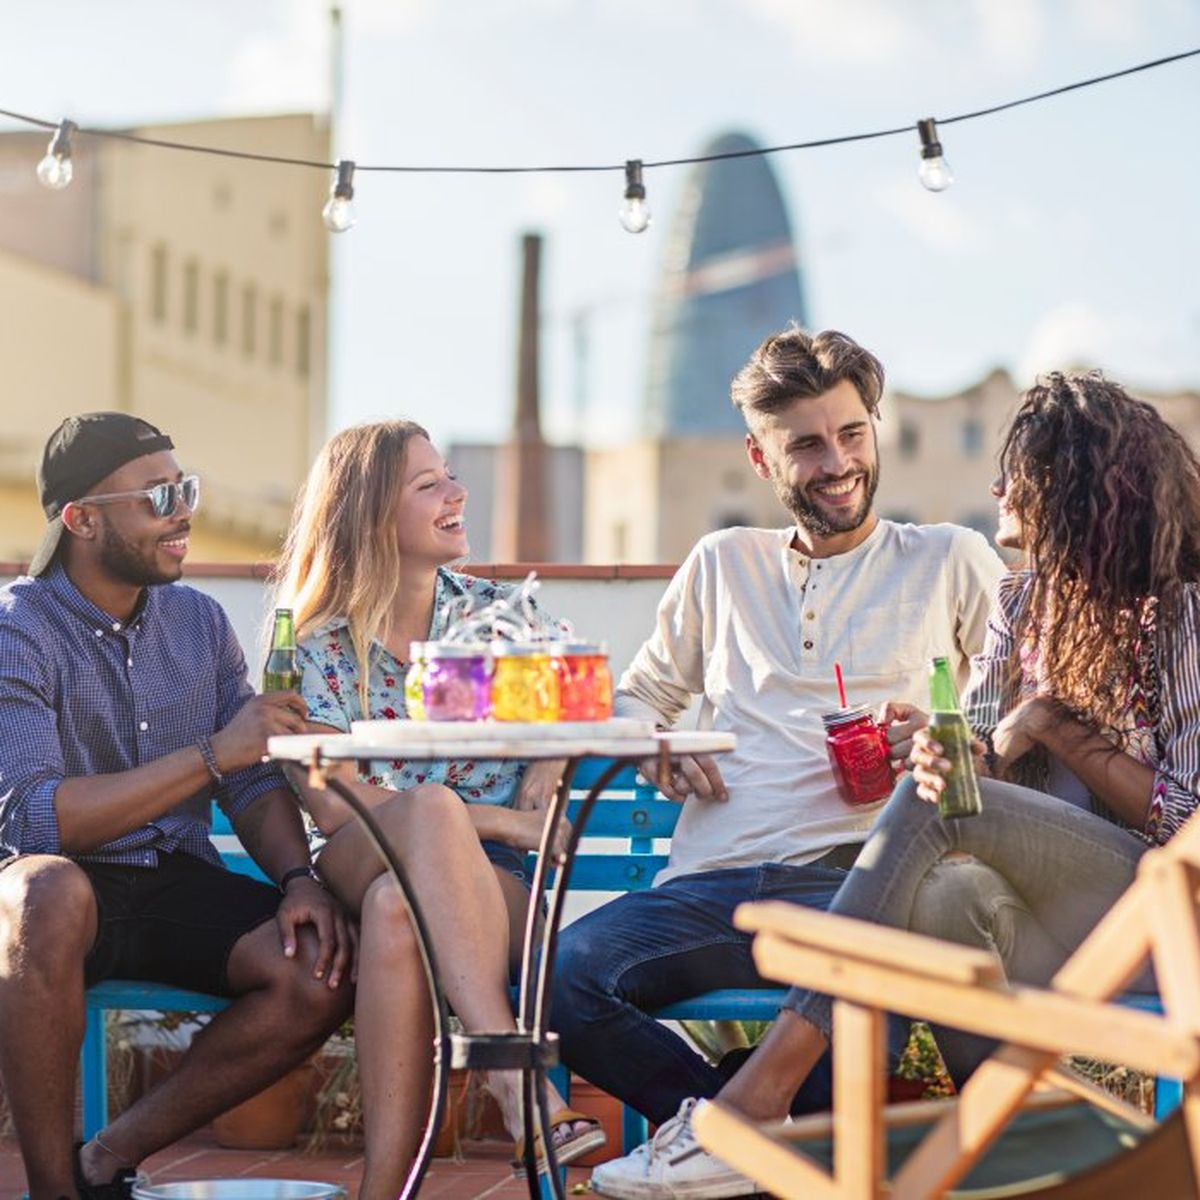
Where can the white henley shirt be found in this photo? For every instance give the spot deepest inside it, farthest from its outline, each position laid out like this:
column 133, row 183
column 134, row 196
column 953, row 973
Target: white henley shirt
column 755, row 627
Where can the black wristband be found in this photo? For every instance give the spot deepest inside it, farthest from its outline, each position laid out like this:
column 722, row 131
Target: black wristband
column 309, row 872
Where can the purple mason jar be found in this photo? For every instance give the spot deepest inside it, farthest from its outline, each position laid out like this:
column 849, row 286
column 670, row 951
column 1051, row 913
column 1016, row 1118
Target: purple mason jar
column 457, row 682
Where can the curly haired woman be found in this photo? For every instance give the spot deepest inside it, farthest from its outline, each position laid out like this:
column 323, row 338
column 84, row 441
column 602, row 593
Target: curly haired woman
column 1086, row 701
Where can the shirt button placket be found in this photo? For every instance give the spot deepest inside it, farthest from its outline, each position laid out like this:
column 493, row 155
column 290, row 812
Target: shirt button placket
column 810, row 616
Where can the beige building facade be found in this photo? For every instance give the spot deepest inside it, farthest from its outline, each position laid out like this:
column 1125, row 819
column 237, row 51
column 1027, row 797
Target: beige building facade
column 651, row 500
column 186, row 288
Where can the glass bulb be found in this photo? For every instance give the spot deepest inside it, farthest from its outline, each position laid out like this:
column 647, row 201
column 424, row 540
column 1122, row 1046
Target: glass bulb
column 55, row 171
column 635, row 215
column 338, row 214
column 935, row 174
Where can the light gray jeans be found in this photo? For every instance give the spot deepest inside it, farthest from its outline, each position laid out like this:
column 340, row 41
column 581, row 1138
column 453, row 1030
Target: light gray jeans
column 1042, row 872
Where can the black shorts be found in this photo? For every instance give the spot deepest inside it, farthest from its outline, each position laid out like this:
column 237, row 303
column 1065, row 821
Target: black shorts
column 176, row 923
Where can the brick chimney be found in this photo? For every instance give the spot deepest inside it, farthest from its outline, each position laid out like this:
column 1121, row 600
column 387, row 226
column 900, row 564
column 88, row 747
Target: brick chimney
column 521, row 525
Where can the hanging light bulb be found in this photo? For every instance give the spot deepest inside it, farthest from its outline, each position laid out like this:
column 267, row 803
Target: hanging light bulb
column 635, row 213
column 55, row 170
column 934, row 171
column 338, row 213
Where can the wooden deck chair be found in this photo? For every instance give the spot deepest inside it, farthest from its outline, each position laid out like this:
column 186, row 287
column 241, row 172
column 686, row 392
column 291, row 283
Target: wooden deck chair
column 987, row 1138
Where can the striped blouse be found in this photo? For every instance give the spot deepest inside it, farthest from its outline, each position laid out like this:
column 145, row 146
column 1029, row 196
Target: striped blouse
column 1162, row 730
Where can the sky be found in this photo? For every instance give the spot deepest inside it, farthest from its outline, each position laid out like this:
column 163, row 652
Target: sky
column 1069, row 237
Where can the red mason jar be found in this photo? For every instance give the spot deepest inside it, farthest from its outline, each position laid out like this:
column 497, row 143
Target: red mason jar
column 858, row 753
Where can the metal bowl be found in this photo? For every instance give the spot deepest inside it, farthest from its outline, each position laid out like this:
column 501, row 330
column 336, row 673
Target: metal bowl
column 239, row 1189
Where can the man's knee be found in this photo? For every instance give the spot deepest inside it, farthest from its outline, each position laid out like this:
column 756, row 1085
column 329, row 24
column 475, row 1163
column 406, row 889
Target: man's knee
column 47, row 910
column 964, row 900
column 308, row 1003
column 586, row 976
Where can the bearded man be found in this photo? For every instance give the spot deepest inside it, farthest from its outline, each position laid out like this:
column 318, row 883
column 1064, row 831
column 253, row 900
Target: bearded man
column 753, row 623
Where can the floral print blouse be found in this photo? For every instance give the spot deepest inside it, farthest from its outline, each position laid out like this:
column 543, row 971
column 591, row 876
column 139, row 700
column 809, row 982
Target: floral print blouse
column 330, row 689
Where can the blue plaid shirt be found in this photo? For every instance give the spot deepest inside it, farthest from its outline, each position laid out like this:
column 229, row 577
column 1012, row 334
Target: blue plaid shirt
column 84, row 694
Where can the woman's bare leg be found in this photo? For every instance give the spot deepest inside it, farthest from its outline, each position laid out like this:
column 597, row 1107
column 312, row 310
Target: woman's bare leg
column 469, row 913
column 393, row 1028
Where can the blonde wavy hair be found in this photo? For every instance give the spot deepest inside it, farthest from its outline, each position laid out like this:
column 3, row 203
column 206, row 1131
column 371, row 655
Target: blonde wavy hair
column 342, row 555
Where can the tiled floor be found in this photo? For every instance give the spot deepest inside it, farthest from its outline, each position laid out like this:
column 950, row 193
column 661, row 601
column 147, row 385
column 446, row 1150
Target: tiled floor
column 483, row 1171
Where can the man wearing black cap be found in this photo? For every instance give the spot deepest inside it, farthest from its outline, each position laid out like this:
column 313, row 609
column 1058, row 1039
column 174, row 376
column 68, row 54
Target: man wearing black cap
column 124, row 709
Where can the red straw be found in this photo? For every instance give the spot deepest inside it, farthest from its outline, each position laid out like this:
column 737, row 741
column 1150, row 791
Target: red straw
column 837, row 670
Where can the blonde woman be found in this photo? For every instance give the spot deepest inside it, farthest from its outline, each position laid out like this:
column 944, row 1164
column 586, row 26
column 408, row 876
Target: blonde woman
column 364, row 568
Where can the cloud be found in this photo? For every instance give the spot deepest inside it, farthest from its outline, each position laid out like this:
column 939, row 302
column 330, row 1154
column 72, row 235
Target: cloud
column 547, row 198
column 1013, row 33
column 849, row 33
column 288, row 65
column 280, row 69
column 1128, row 346
column 1124, row 20
column 939, row 221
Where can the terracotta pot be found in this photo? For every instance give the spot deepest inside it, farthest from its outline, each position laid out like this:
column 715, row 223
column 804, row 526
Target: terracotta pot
column 589, row 1099
column 273, row 1119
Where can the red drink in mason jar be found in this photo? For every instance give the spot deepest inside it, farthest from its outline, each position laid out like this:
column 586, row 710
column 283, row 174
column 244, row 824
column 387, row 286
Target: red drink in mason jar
column 859, row 755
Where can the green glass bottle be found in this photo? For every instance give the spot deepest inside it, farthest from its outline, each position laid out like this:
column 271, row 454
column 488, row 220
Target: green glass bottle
column 948, row 727
column 282, row 673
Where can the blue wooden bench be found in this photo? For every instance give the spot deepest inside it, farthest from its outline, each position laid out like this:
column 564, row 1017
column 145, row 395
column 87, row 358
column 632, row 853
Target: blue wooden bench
column 631, row 818
column 631, row 822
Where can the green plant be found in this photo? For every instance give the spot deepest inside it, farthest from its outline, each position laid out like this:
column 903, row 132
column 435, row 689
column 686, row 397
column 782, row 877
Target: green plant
column 922, row 1062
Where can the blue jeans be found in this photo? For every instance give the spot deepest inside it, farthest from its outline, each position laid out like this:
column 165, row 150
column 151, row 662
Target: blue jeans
column 648, row 949
column 1065, row 868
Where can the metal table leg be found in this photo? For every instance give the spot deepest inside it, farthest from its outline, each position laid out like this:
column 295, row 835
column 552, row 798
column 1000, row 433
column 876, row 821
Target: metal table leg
column 441, row 1039
column 536, row 973
column 533, row 1049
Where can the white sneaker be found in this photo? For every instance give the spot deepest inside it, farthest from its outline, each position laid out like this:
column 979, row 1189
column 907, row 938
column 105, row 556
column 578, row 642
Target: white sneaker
column 671, row 1165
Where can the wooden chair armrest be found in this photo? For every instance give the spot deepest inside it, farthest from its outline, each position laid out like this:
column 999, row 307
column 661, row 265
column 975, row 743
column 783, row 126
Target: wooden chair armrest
column 866, row 942
column 1036, row 1018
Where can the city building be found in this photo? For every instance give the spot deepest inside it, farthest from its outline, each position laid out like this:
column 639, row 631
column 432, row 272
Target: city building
column 730, row 276
column 186, row 288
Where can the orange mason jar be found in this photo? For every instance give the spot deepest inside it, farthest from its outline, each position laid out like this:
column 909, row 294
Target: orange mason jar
column 587, row 683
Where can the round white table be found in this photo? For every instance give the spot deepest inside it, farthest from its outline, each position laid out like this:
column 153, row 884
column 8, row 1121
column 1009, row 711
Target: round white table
column 532, row 1049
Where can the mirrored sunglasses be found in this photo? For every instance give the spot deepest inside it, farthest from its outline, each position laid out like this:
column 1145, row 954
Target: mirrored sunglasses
column 164, row 497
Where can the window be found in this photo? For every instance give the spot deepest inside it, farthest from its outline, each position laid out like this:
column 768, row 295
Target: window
column 275, row 332
column 972, row 437
column 303, row 334
column 191, row 295
column 158, row 283
column 910, row 439
column 221, row 308
column 249, row 318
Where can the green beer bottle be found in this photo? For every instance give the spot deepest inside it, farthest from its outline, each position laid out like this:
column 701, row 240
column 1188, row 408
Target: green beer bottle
column 282, row 674
column 948, row 727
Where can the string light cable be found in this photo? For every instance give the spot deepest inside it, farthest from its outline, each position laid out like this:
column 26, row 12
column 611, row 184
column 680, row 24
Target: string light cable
column 55, row 169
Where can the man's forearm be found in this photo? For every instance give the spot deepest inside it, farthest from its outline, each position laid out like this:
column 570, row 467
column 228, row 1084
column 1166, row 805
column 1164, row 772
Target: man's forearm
column 273, row 833
column 92, row 810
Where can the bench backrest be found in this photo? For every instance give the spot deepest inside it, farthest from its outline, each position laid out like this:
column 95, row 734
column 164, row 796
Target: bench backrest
column 631, row 816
